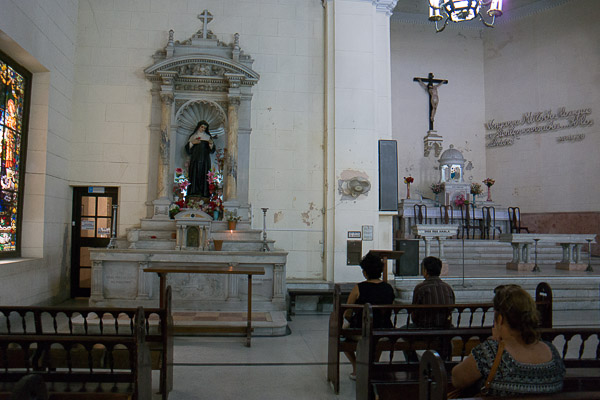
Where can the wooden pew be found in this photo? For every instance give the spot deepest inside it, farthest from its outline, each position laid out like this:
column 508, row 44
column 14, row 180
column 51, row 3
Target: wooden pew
column 581, row 379
column 87, row 377
column 394, row 378
column 100, row 321
column 464, row 315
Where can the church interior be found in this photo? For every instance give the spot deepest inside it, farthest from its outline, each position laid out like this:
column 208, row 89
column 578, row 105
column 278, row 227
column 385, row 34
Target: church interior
column 232, row 161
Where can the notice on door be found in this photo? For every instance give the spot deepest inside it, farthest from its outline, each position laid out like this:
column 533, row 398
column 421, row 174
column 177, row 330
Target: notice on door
column 87, row 225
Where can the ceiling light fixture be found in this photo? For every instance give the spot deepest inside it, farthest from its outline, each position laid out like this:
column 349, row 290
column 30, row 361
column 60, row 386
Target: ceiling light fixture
column 463, row 10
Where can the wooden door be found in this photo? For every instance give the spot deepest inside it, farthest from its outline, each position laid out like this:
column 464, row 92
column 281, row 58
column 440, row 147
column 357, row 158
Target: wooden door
column 91, row 227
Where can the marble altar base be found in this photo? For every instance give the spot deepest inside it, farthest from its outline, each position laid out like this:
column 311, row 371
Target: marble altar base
column 519, row 266
column 445, row 269
column 566, row 266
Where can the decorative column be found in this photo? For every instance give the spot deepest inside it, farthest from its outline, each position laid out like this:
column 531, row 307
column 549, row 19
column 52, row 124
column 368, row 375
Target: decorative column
column 143, row 290
column 232, row 149
column 161, row 204
column 97, row 292
column 233, row 290
column 278, row 282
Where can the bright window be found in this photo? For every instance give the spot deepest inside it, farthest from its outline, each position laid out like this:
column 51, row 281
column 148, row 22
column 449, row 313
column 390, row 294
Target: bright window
column 15, row 83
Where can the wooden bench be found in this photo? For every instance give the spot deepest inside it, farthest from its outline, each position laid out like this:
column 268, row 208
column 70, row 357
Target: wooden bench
column 581, row 379
column 393, row 378
column 474, row 315
column 99, row 321
column 327, row 292
column 89, row 367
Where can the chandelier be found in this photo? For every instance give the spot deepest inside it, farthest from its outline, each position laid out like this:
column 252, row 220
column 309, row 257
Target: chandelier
column 463, row 10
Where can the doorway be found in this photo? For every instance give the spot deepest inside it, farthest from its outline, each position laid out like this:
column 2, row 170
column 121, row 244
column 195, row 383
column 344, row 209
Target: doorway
column 92, row 222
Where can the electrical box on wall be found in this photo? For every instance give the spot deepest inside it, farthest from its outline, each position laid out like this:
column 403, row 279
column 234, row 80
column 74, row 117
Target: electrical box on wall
column 353, row 252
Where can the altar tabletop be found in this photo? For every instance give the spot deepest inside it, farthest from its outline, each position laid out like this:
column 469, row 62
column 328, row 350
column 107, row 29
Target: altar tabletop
column 228, row 269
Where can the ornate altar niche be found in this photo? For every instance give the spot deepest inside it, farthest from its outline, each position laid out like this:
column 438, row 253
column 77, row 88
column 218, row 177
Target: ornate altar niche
column 452, row 165
column 202, row 78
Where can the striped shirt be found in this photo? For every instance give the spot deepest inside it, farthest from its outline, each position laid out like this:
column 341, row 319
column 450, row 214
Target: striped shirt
column 432, row 291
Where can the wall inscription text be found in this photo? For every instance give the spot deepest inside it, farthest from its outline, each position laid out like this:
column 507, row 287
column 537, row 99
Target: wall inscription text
column 505, row 133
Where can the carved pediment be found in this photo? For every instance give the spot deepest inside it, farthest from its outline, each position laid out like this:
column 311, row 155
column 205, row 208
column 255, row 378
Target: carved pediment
column 200, row 68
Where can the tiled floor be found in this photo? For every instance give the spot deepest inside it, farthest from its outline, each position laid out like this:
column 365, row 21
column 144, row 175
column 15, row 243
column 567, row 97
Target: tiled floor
column 287, row 367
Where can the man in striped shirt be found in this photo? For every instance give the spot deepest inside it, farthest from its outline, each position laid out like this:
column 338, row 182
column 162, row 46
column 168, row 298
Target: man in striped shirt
column 432, row 291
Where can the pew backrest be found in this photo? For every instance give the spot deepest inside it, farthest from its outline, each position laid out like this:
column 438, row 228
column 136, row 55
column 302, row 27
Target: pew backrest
column 21, row 355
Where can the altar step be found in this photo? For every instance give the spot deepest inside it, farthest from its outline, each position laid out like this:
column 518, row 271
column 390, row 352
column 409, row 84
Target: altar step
column 494, row 253
column 160, row 234
column 216, row 323
column 569, row 293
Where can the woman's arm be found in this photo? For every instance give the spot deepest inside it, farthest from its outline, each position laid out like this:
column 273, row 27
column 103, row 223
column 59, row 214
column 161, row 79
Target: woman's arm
column 466, row 373
column 351, row 300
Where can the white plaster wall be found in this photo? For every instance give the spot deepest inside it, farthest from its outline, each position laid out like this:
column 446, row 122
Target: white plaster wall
column 538, row 63
column 456, row 55
column 286, row 156
column 116, row 41
column 41, row 35
column 362, row 117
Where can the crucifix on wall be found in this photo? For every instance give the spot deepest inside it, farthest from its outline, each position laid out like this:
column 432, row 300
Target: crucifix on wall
column 431, row 86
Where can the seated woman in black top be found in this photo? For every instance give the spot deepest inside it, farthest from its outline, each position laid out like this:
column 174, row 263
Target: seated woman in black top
column 373, row 291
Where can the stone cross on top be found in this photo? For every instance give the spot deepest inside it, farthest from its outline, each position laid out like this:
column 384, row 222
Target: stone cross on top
column 431, row 85
column 205, row 17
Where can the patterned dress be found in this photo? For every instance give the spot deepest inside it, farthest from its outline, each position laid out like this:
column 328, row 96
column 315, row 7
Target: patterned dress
column 514, row 378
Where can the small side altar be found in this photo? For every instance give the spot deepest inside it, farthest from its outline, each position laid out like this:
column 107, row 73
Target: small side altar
column 201, row 119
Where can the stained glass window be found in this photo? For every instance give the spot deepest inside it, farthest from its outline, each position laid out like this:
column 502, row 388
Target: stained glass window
column 14, row 93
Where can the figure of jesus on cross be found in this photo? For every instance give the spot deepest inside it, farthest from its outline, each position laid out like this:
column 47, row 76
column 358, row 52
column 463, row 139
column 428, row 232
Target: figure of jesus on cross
column 431, row 88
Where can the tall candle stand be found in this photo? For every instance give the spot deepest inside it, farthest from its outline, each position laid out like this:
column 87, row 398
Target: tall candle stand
column 112, row 244
column 265, row 245
column 589, row 267
column 536, row 268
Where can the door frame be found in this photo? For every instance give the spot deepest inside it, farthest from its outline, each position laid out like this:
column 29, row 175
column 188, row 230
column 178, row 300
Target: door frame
column 77, row 242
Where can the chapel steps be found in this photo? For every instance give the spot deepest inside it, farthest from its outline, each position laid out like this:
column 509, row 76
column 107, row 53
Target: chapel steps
column 494, row 253
column 160, row 234
column 571, row 291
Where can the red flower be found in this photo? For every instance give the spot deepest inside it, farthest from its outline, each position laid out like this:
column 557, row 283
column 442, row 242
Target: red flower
column 211, row 188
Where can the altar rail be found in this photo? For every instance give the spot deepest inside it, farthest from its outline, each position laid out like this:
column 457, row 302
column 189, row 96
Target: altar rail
column 407, row 218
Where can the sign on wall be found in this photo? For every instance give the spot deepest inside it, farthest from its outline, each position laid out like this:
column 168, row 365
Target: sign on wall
column 505, row 133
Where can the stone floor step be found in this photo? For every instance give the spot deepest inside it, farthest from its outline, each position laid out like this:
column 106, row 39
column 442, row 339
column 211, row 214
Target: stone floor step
column 155, row 244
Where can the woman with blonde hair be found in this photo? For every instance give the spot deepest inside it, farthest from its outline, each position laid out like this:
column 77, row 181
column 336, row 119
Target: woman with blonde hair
column 524, row 363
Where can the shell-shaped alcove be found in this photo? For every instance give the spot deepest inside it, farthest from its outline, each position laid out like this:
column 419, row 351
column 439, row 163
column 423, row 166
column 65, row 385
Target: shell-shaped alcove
column 188, row 117
column 197, row 111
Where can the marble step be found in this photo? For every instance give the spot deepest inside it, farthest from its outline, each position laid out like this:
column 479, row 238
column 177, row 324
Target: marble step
column 246, row 245
column 238, row 234
column 155, row 244
column 568, row 293
column 156, row 234
column 148, row 224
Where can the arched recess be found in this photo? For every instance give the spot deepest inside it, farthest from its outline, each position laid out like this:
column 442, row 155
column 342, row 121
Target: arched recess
column 188, row 116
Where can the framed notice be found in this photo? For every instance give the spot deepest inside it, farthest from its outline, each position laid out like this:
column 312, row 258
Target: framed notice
column 367, row 233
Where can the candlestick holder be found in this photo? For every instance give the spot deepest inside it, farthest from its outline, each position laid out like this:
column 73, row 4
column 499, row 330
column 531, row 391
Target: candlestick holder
column 112, row 244
column 265, row 245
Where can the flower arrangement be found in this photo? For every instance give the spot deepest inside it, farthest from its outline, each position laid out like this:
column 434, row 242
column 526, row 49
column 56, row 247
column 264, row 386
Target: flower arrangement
column 232, row 216
column 438, row 188
column 181, row 183
column 489, row 182
column 476, row 188
column 460, row 200
column 408, row 180
column 173, row 210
